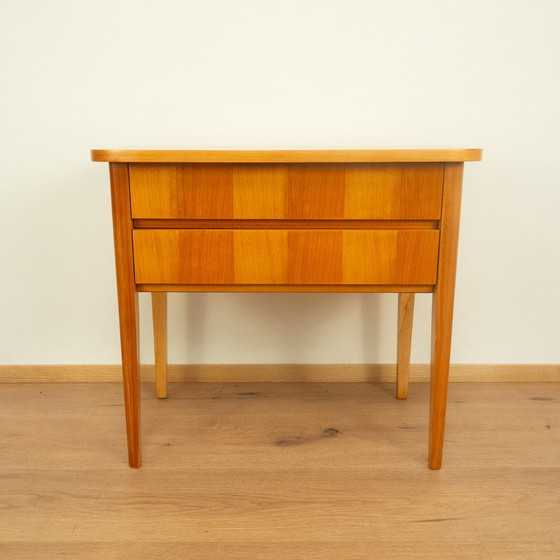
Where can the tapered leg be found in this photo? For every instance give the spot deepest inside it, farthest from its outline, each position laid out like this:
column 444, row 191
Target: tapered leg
column 404, row 339
column 128, row 313
column 442, row 310
column 159, row 317
column 128, row 307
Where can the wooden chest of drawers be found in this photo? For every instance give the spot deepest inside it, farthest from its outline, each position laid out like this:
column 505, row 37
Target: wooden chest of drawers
column 306, row 221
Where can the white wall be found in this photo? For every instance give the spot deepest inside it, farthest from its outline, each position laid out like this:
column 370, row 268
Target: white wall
column 290, row 73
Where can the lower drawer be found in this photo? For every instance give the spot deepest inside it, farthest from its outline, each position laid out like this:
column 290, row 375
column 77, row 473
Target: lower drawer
column 284, row 257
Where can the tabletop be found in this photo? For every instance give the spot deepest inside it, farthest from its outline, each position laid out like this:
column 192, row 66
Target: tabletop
column 378, row 155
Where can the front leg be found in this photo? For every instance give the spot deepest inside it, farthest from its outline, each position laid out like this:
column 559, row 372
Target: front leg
column 128, row 307
column 442, row 309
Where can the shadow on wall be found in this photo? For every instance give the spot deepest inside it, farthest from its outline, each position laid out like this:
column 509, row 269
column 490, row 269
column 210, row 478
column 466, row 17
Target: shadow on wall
column 281, row 328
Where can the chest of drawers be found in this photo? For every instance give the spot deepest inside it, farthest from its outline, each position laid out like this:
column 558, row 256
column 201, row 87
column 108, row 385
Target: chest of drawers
column 287, row 221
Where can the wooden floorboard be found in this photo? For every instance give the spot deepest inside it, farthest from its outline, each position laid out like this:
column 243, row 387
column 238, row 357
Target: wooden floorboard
column 279, row 470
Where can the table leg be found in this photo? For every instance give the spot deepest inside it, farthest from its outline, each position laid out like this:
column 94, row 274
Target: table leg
column 404, row 339
column 442, row 310
column 128, row 313
column 128, row 307
column 159, row 318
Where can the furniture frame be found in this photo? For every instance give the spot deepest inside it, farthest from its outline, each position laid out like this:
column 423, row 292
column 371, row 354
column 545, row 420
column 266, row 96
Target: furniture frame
column 383, row 220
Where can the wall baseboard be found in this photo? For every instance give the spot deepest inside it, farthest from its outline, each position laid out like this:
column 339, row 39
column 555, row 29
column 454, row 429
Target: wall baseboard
column 240, row 373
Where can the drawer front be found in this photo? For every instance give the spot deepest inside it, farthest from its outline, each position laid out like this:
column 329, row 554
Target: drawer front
column 285, row 257
column 358, row 191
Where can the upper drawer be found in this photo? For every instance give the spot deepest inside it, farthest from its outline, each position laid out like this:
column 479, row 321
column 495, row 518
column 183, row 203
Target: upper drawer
column 297, row 191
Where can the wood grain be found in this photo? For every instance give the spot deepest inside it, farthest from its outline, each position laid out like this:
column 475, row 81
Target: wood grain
column 316, row 192
column 185, row 191
column 159, row 320
column 399, row 191
column 269, row 550
column 298, row 257
column 261, row 256
column 299, row 191
column 184, row 256
column 404, row 340
column 442, row 309
column 279, row 471
column 389, row 257
column 315, row 257
column 259, row 191
column 382, row 155
column 128, row 306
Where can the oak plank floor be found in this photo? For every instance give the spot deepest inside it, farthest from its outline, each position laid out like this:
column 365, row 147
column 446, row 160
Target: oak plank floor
column 279, row 470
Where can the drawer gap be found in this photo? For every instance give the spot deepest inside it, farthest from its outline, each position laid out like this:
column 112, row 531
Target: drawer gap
column 284, row 224
column 285, row 288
